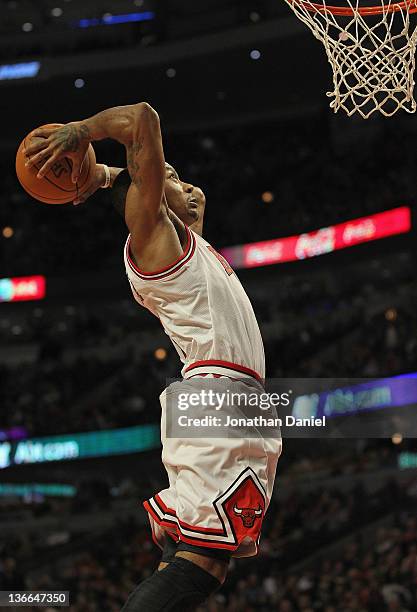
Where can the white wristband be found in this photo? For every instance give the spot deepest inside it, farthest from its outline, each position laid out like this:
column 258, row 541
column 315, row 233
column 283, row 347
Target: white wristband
column 108, row 177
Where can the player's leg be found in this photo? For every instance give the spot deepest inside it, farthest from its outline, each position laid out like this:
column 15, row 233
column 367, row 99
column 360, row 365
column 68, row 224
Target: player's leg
column 214, row 561
column 186, row 582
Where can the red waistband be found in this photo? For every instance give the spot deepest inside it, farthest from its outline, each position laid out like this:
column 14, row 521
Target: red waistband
column 217, row 366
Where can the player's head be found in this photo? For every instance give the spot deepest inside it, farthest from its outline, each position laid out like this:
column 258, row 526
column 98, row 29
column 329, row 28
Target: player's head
column 185, row 200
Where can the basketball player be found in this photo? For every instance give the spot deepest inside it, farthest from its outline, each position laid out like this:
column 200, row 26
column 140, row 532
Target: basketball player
column 219, row 489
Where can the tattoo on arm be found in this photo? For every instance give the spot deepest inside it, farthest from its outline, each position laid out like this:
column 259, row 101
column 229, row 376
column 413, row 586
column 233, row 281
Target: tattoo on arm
column 133, row 151
column 71, row 136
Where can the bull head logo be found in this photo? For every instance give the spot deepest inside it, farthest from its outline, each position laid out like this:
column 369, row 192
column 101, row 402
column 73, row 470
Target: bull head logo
column 248, row 515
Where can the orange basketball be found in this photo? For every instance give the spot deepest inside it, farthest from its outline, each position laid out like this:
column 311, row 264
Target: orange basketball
column 56, row 187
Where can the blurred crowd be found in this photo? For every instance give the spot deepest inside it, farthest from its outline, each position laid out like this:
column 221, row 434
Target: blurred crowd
column 54, row 396
column 376, row 576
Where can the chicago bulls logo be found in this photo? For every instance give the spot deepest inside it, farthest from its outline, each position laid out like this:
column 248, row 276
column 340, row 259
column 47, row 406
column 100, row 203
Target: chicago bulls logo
column 248, row 515
column 244, row 506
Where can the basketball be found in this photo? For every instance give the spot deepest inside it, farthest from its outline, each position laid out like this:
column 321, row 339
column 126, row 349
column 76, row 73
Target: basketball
column 56, row 187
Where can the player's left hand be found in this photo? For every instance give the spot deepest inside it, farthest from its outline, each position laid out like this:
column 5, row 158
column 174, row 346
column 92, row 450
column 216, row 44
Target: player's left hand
column 54, row 143
column 99, row 179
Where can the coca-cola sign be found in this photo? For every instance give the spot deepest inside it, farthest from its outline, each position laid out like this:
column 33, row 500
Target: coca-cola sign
column 316, row 243
column 261, row 254
column 360, row 231
column 322, row 241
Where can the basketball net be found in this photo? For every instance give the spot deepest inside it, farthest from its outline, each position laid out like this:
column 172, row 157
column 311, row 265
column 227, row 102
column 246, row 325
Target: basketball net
column 371, row 52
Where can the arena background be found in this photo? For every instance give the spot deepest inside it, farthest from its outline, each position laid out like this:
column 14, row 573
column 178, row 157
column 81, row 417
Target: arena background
column 240, row 89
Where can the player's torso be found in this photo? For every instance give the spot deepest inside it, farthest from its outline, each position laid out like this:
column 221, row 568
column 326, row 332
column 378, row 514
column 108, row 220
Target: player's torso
column 204, row 310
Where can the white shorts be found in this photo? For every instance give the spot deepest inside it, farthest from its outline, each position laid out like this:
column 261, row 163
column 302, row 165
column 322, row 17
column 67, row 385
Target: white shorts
column 219, row 488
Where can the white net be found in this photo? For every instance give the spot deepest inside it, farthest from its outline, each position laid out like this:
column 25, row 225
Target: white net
column 372, row 55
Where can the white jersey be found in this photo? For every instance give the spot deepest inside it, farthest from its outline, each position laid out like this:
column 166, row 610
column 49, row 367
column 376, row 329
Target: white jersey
column 204, row 309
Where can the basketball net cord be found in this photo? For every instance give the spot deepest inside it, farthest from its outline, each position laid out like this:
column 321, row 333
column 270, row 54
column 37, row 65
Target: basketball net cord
column 372, row 57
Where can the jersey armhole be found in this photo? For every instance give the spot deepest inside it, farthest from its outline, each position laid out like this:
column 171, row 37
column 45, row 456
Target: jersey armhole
column 187, row 253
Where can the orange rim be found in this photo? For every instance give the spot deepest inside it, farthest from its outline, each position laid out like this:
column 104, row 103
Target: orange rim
column 313, row 7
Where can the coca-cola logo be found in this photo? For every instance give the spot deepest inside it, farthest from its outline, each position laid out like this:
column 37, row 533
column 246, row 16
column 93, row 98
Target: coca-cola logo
column 364, row 230
column 265, row 253
column 310, row 245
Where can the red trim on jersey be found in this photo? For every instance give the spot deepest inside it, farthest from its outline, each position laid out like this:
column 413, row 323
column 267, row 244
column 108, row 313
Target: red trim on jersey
column 215, row 376
column 172, row 512
column 189, row 539
column 187, row 253
column 208, row 543
column 165, row 509
column 157, row 519
column 224, row 364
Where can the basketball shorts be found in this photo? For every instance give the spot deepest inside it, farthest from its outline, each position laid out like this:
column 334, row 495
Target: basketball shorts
column 219, row 488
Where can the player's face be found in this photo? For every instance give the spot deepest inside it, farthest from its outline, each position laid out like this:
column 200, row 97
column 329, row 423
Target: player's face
column 185, row 200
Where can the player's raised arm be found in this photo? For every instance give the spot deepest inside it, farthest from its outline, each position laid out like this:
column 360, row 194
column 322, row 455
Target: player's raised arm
column 135, row 126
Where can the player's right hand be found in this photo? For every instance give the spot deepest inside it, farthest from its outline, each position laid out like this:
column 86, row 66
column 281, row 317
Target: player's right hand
column 53, row 144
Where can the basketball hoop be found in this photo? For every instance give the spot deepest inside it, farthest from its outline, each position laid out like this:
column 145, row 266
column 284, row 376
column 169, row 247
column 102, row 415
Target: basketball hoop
column 371, row 50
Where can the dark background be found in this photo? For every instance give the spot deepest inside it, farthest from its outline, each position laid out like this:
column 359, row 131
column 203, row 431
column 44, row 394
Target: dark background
column 341, row 531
